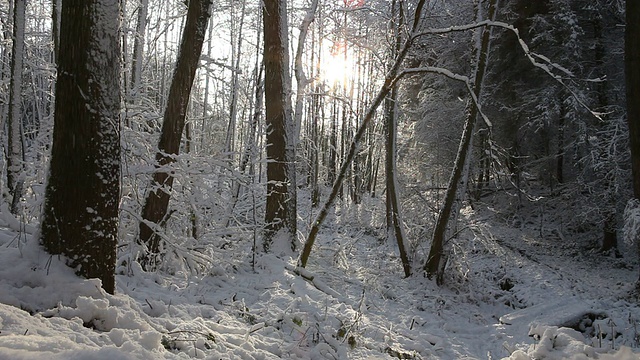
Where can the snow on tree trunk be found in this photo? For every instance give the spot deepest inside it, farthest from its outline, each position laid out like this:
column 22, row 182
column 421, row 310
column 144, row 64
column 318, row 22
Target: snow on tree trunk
column 156, row 205
column 394, row 225
column 14, row 144
column 301, row 78
column 236, row 58
column 80, row 215
column 281, row 209
column 138, row 47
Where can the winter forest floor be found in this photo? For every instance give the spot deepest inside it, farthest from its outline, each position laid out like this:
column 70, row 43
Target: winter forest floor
column 533, row 287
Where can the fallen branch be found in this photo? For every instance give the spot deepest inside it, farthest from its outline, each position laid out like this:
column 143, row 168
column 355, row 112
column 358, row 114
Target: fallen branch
column 311, row 278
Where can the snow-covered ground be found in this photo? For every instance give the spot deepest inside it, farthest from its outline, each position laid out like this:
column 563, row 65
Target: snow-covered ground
column 519, row 288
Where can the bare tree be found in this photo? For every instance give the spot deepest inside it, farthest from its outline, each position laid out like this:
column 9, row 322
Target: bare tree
column 156, row 204
column 138, row 47
column 301, row 78
column 394, row 224
column 56, row 7
column 281, row 211
column 15, row 173
column 80, row 218
column 432, row 266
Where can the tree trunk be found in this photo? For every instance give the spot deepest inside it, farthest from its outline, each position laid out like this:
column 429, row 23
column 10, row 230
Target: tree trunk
column 394, row 225
column 56, row 7
column 281, row 212
column 437, row 241
column 80, row 215
column 5, row 69
column 609, row 223
column 15, row 166
column 560, row 152
column 250, row 145
column 138, row 48
column 301, row 78
column 236, row 56
column 632, row 74
column 157, row 201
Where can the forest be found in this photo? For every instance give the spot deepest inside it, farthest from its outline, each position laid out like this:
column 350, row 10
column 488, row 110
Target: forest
column 309, row 179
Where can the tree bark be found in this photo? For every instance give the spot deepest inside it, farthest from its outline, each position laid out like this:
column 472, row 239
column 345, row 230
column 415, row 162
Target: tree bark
column 80, row 216
column 56, row 7
column 15, row 168
column 157, row 201
column 281, row 212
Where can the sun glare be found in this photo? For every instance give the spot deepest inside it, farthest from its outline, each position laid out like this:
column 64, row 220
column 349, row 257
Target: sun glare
column 336, row 68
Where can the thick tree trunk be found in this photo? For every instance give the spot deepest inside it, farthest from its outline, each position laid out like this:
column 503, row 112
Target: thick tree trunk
column 80, row 218
column 5, row 68
column 281, row 212
column 15, row 166
column 632, row 73
column 609, row 219
column 156, row 204
column 432, row 265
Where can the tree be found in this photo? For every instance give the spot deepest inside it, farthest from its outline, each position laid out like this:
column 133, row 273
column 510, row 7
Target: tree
column 632, row 76
column 56, row 7
column 394, row 224
column 138, row 47
column 432, row 265
column 15, row 174
column 281, row 211
column 156, row 205
column 80, row 218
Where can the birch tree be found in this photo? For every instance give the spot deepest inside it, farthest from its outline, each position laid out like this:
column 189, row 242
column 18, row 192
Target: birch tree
column 80, row 218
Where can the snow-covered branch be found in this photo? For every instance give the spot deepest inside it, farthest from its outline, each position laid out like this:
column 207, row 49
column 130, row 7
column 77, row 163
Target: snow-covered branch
column 540, row 61
column 451, row 75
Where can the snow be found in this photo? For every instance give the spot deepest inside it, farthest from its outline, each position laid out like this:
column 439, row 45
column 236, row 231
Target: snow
column 521, row 291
